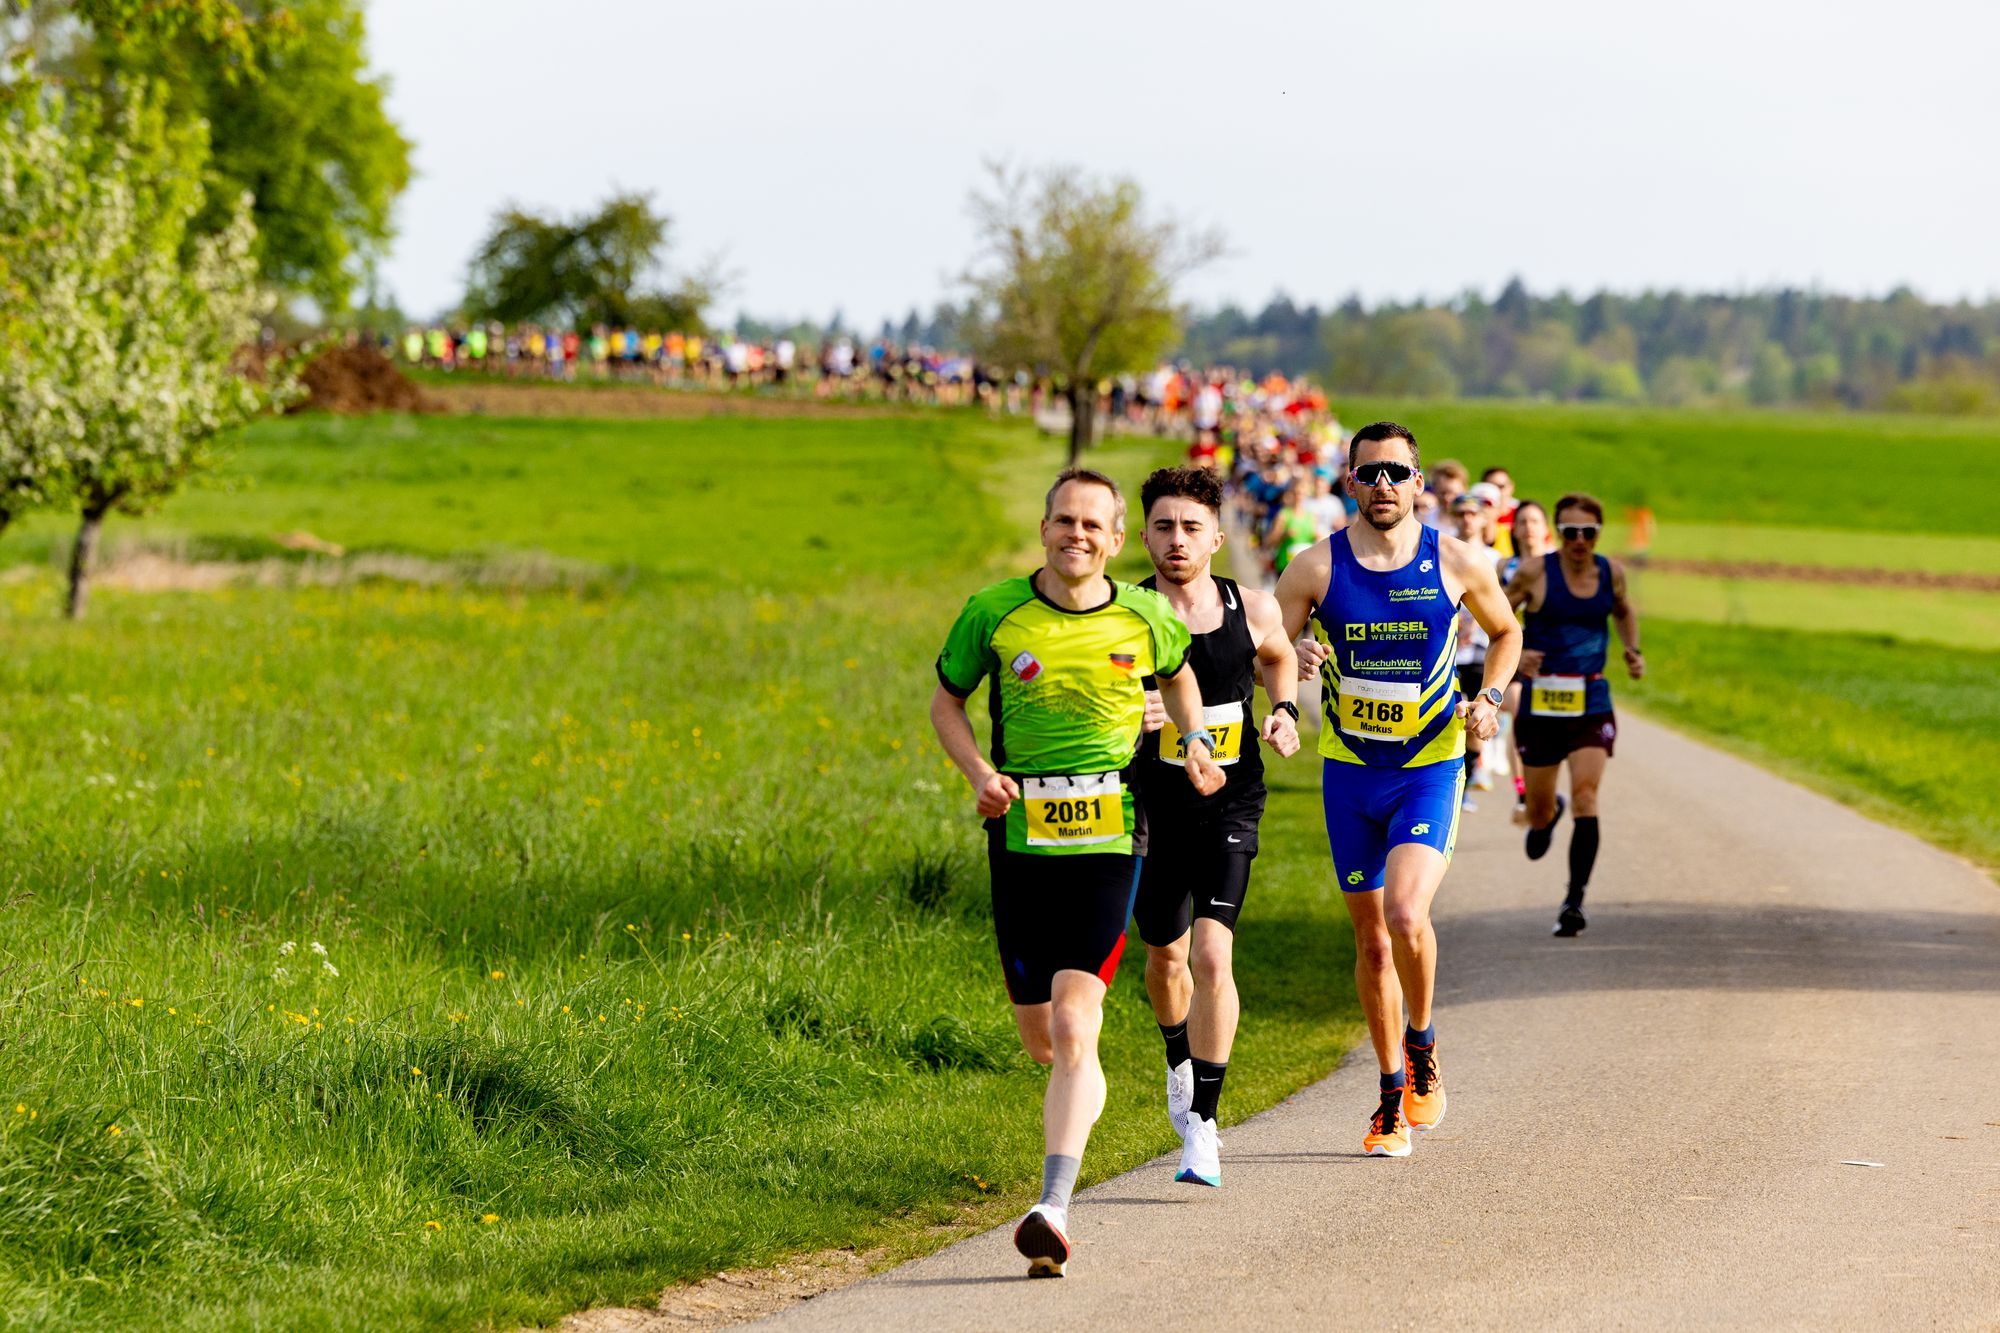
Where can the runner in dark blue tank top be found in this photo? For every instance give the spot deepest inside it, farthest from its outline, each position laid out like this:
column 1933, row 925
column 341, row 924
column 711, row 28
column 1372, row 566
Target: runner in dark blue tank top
column 1573, row 596
column 1383, row 595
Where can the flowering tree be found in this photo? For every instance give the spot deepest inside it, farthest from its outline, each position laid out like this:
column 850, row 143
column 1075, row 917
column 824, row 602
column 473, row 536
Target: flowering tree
column 38, row 423
column 133, row 326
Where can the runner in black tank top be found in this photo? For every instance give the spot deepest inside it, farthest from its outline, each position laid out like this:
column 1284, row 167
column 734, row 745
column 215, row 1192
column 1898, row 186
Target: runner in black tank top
column 1224, row 662
column 1196, row 869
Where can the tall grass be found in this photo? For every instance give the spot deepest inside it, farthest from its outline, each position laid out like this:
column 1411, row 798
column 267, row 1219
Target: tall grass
column 389, row 954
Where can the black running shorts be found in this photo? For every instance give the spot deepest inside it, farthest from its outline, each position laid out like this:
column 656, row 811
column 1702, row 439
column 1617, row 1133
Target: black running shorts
column 1197, row 865
column 1547, row 741
column 1057, row 913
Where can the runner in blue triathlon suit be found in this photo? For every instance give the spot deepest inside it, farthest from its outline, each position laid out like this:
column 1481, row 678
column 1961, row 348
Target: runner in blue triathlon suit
column 1384, row 595
column 1572, row 596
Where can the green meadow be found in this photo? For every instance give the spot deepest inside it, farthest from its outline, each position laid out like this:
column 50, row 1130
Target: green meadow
column 465, row 949
column 561, row 896
column 1836, row 471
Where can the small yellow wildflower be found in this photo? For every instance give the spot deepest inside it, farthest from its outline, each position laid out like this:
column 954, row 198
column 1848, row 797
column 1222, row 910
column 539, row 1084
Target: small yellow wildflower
column 565, row 1008
column 20, row 1108
column 114, row 1131
column 497, row 975
column 488, row 1219
column 434, row 1226
column 136, row 1001
column 418, row 1072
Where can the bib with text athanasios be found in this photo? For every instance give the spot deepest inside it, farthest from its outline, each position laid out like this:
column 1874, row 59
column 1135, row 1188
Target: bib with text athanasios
column 1224, row 722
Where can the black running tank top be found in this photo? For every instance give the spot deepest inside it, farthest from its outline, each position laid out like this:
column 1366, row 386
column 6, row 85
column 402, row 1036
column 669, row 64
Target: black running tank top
column 1225, row 666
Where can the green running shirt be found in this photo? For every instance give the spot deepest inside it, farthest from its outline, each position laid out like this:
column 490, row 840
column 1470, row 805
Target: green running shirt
column 1068, row 696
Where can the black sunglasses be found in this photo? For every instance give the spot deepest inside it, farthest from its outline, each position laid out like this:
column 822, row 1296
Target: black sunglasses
column 1380, row 474
column 1579, row 531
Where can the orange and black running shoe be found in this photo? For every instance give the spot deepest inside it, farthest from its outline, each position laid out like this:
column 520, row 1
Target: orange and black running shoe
column 1423, row 1097
column 1388, row 1134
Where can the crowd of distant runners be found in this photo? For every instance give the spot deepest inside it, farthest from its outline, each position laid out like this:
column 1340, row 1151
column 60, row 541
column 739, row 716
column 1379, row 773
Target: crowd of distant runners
column 1455, row 633
column 1211, row 404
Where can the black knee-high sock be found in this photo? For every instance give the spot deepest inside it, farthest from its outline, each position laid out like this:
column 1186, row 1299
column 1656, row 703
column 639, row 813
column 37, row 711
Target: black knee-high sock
column 1177, row 1044
column 1207, row 1087
column 1582, row 853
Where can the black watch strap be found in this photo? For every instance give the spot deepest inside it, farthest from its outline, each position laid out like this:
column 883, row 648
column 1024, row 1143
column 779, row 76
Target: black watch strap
column 1287, row 706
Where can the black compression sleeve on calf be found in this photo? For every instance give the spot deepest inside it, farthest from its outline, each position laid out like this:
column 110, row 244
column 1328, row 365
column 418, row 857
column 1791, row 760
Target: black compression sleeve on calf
column 1582, row 851
column 1177, row 1044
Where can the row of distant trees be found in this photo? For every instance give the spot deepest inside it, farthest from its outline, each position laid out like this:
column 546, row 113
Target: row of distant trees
column 1674, row 348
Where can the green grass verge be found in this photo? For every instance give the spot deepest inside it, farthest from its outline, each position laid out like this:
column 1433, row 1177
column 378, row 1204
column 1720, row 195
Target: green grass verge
column 1908, row 732
column 1797, row 468
column 1962, row 619
column 742, row 500
column 1832, row 548
column 655, row 921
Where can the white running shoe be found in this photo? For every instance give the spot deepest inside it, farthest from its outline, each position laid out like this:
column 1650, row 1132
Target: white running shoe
column 1201, row 1155
column 1467, row 804
column 1180, row 1095
column 1482, row 777
column 1042, row 1236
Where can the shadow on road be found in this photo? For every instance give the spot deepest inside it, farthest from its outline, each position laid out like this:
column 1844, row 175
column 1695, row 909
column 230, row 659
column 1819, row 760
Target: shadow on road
column 1510, row 954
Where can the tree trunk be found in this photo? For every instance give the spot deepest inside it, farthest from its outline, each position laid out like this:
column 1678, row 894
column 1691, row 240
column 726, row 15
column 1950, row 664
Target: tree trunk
column 1082, row 416
column 80, row 558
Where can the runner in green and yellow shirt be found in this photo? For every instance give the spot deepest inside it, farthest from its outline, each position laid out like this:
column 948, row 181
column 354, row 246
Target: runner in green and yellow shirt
column 1067, row 651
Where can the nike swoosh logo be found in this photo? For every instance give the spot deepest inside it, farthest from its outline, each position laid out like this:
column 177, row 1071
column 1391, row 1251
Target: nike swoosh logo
column 1234, row 838
column 1208, row 1080
column 1230, row 598
column 1217, row 902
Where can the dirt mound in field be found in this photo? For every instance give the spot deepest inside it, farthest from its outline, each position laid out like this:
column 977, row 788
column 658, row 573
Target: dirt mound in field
column 538, row 398
column 353, row 379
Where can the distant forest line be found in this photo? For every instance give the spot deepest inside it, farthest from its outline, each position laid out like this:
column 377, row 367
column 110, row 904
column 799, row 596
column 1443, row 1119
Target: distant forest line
column 1788, row 347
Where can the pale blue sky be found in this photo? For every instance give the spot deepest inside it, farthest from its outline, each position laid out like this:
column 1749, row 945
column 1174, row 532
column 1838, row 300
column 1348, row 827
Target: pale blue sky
column 825, row 150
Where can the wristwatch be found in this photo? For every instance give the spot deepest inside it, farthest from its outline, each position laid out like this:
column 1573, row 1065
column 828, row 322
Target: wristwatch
column 1491, row 694
column 1288, row 706
column 1198, row 734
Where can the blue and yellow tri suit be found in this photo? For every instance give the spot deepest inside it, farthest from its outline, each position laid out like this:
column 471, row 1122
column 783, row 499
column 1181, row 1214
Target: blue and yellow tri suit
column 1391, row 736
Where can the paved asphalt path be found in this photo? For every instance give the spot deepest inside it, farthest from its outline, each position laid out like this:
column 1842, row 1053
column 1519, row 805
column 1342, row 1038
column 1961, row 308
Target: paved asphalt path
column 1647, row 1126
